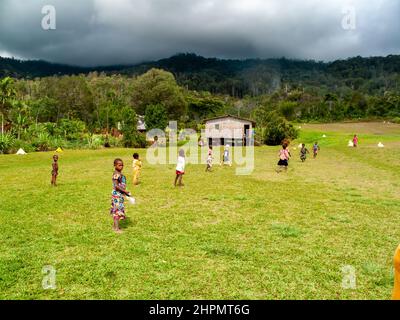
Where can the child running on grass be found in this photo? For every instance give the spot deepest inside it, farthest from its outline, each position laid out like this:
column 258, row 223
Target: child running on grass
column 316, row 149
column 226, row 158
column 303, row 153
column 355, row 141
column 283, row 159
column 119, row 192
column 209, row 159
column 180, row 168
column 137, row 167
column 54, row 171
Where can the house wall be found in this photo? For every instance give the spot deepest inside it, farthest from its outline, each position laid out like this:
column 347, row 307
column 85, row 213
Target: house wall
column 229, row 128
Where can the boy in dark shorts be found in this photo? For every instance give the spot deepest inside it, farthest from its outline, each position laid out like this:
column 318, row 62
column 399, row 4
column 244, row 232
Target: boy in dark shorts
column 54, row 172
column 303, row 153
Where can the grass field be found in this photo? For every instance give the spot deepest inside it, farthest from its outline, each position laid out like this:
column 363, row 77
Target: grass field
column 222, row 236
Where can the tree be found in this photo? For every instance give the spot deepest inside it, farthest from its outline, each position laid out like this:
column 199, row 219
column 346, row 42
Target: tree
column 288, row 109
column 129, row 126
column 7, row 94
column 274, row 128
column 156, row 117
column 159, row 87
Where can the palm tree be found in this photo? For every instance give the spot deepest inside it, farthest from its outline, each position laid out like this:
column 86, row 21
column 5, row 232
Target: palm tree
column 7, row 93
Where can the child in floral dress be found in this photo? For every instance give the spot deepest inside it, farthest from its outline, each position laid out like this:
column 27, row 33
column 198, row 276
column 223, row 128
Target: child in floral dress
column 117, row 197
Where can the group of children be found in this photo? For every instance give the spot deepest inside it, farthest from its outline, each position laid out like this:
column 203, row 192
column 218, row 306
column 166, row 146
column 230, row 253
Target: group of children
column 226, row 160
column 285, row 155
column 119, row 180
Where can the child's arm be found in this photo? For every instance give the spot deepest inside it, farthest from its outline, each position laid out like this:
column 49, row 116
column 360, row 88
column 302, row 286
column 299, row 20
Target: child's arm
column 117, row 188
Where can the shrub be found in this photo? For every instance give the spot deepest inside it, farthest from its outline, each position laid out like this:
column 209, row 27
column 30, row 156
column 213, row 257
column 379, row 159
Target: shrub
column 277, row 129
column 396, row 120
column 6, row 142
column 70, row 129
column 42, row 142
column 21, row 144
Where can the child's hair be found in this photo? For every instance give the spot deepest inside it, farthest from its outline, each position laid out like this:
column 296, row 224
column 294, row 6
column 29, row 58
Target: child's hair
column 284, row 146
column 136, row 156
column 116, row 161
column 210, row 147
column 181, row 153
column 55, row 156
column 303, row 144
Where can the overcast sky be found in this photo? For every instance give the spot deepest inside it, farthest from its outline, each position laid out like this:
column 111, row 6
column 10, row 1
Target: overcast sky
column 105, row 32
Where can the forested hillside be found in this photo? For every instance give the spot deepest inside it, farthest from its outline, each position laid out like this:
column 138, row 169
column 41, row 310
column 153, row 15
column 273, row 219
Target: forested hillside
column 46, row 105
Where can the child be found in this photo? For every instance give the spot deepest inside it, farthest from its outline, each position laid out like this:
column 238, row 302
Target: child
column 355, row 141
column 119, row 191
column 396, row 262
column 54, row 172
column 180, row 168
column 283, row 159
column 137, row 166
column 303, row 152
column 209, row 159
column 316, row 148
column 226, row 159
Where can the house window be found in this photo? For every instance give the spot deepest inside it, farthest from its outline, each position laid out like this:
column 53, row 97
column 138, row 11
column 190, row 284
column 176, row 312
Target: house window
column 217, row 127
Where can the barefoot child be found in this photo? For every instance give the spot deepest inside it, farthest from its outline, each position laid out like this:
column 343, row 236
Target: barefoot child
column 180, row 168
column 119, row 192
column 303, row 152
column 226, row 158
column 316, row 149
column 54, row 172
column 137, row 167
column 283, row 159
column 209, row 159
column 355, row 141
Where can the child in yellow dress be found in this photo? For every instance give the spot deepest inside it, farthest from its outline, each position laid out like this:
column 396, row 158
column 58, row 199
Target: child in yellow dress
column 137, row 166
column 396, row 262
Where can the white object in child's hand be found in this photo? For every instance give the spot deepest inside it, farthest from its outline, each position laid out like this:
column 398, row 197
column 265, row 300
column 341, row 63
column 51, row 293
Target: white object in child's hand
column 131, row 200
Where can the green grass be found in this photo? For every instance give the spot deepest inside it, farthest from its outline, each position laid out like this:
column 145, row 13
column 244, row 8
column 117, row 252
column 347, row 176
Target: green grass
column 222, row 236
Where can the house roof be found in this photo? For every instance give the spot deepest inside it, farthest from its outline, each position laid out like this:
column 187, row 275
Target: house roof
column 230, row 116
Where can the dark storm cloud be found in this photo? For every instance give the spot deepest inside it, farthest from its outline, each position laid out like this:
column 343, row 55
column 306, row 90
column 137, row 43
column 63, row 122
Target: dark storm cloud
column 94, row 32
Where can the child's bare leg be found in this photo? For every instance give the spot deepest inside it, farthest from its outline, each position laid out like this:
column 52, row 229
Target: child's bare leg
column 176, row 180
column 116, row 225
column 180, row 180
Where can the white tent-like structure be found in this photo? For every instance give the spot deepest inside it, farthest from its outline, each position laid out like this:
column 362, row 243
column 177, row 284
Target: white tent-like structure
column 350, row 144
column 21, row 152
